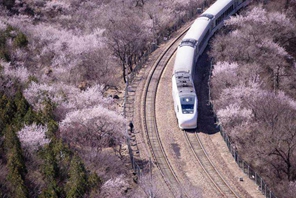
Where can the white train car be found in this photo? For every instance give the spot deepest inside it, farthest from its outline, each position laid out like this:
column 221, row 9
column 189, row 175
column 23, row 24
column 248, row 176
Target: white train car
column 190, row 48
column 184, row 94
column 221, row 10
column 185, row 100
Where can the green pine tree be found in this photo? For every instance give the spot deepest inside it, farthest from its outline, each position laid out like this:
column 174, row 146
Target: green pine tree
column 20, row 40
column 76, row 185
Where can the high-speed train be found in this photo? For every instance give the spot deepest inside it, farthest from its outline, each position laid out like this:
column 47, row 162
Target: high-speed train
column 190, row 48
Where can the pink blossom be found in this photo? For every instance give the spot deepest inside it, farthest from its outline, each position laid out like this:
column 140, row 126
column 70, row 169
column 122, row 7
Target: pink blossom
column 33, row 136
column 224, row 67
column 66, row 97
column 93, row 128
column 19, row 72
column 257, row 15
column 233, row 111
column 93, row 115
column 57, row 5
column 119, row 183
column 3, row 26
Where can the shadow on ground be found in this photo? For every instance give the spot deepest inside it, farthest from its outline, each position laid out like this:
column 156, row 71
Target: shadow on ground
column 206, row 122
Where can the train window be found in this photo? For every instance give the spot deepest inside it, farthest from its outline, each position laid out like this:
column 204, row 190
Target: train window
column 225, row 14
column 187, row 105
column 187, row 108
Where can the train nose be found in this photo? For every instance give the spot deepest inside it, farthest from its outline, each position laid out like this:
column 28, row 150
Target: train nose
column 188, row 123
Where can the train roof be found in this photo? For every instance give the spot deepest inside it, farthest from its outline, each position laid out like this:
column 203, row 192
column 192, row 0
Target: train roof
column 198, row 28
column 184, row 83
column 185, row 54
column 216, row 8
column 184, row 59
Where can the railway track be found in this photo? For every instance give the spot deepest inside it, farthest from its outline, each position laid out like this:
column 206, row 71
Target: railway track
column 149, row 124
column 223, row 189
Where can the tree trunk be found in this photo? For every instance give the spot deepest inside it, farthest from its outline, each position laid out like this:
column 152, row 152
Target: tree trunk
column 277, row 79
column 287, row 4
column 123, row 72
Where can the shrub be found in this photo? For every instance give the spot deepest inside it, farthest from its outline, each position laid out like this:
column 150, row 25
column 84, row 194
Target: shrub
column 4, row 54
column 51, row 191
column 52, row 127
column 2, row 39
column 94, row 180
column 8, row 4
column 20, row 40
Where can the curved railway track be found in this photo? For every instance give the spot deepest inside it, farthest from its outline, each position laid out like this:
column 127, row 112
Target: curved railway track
column 149, row 122
column 154, row 141
column 222, row 187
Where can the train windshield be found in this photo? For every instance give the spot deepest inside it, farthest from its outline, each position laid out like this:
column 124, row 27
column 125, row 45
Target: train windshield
column 187, row 104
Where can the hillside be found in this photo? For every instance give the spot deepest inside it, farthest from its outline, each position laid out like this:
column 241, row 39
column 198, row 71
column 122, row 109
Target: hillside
column 63, row 65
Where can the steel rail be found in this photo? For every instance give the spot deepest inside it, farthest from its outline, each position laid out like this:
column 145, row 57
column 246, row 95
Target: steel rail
column 149, row 122
column 154, row 141
column 152, row 136
column 223, row 188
